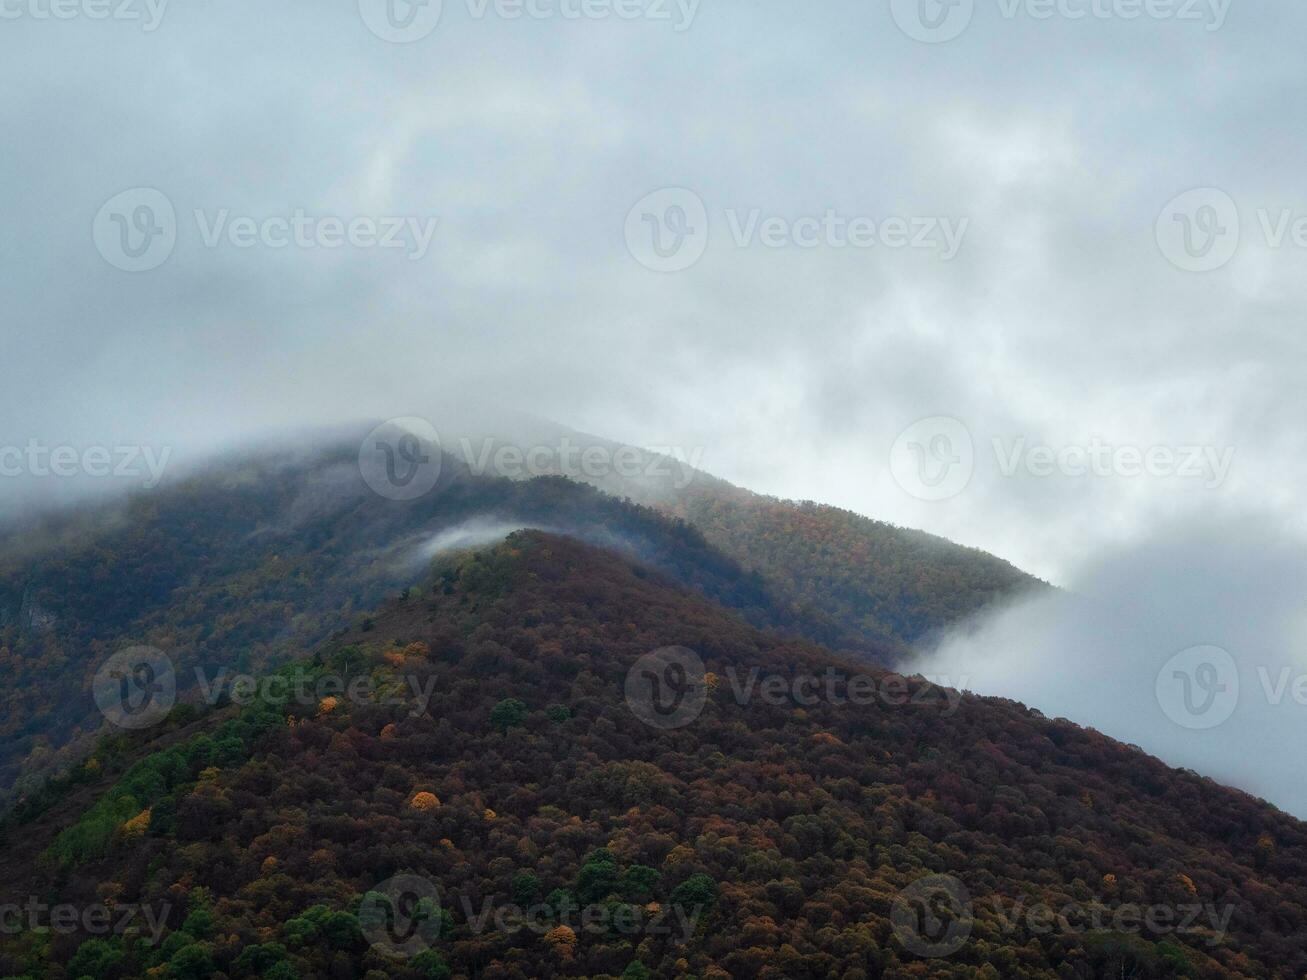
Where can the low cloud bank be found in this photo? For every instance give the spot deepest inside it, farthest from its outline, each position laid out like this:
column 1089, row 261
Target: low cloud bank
column 1192, row 645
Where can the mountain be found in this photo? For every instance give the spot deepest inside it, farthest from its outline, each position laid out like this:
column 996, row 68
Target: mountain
column 246, row 564
column 528, row 734
column 256, row 556
column 865, row 577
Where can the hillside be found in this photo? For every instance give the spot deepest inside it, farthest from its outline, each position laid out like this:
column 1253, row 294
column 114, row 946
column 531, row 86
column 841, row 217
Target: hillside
column 750, row 834
column 866, row 577
column 261, row 554
column 252, row 560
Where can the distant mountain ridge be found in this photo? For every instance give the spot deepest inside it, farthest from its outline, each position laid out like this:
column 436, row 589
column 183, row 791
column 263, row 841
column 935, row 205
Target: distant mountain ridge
column 248, row 561
column 875, row 579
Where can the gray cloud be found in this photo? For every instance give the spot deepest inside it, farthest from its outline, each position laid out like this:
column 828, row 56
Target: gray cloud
column 1104, row 653
column 529, row 140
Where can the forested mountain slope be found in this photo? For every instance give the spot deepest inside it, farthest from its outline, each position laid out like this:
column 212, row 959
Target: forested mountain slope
column 252, row 560
column 260, row 554
column 761, row 831
column 874, row 579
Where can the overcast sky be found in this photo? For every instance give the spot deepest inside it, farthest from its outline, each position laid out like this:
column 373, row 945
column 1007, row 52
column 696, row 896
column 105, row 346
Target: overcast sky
column 600, row 220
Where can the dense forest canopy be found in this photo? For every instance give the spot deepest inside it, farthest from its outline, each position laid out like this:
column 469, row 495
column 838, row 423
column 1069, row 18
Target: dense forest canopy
column 763, row 835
